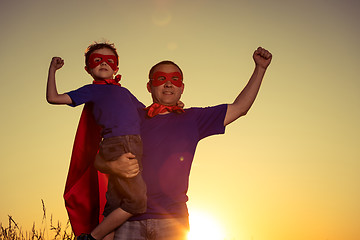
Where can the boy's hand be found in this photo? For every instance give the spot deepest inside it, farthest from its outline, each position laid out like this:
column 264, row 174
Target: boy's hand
column 262, row 57
column 56, row 63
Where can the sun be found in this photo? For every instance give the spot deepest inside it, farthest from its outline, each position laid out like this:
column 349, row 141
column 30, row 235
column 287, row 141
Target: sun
column 204, row 226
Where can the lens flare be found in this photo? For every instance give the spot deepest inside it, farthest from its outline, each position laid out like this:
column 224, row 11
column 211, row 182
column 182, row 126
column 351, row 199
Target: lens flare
column 204, row 226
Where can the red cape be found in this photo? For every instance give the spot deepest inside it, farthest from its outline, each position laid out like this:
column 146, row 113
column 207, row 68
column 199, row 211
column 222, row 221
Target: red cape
column 85, row 186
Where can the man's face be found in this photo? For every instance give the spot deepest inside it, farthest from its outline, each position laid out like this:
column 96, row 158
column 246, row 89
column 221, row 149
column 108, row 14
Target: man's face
column 167, row 93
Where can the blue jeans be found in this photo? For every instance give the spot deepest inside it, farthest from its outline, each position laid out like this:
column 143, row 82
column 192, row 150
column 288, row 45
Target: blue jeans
column 154, row 229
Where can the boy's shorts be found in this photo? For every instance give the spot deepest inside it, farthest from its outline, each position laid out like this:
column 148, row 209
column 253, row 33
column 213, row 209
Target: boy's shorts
column 127, row 193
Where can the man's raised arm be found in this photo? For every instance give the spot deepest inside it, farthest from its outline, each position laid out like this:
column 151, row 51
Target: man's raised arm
column 246, row 98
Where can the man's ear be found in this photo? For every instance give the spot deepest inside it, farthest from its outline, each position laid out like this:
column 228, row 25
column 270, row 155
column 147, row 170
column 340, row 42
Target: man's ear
column 182, row 88
column 148, row 86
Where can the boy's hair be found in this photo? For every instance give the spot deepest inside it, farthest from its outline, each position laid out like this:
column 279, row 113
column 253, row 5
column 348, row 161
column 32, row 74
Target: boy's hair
column 151, row 72
column 96, row 46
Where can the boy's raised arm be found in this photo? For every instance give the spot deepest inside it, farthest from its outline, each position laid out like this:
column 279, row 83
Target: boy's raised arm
column 52, row 95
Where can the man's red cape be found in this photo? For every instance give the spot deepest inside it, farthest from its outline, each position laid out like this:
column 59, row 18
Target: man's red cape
column 85, row 186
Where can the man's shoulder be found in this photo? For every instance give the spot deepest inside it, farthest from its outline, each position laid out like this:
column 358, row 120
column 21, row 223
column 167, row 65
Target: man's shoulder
column 203, row 113
column 219, row 107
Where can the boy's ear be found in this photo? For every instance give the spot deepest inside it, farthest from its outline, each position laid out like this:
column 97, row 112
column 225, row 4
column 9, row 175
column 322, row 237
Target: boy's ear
column 87, row 69
column 148, row 86
column 117, row 69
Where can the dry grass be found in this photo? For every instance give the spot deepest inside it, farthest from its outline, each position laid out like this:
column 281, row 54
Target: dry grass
column 55, row 231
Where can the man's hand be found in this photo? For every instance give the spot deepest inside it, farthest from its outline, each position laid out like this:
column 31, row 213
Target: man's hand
column 246, row 98
column 262, row 57
column 56, row 63
column 125, row 166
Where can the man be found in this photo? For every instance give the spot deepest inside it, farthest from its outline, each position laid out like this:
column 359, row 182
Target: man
column 170, row 139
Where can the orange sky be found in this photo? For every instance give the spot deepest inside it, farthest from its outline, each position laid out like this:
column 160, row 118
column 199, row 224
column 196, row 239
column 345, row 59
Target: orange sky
column 287, row 170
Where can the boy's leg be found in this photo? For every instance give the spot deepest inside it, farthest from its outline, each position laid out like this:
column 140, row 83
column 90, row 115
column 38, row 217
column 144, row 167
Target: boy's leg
column 110, row 223
column 133, row 189
column 124, row 195
column 110, row 236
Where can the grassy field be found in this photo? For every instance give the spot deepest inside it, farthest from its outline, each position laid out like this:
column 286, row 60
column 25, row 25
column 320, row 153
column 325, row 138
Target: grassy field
column 46, row 231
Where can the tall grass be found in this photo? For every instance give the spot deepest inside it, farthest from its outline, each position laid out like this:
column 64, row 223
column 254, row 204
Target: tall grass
column 55, row 231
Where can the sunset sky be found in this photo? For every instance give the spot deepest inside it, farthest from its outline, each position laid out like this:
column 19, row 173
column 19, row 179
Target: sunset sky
column 288, row 170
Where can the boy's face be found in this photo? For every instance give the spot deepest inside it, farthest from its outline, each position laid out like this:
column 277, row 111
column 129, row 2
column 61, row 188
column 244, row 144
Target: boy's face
column 167, row 88
column 102, row 64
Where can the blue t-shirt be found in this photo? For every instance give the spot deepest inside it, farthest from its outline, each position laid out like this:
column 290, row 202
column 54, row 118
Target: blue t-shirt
column 169, row 143
column 115, row 109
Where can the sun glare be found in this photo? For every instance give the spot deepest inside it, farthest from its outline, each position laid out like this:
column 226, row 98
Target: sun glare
column 204, row 226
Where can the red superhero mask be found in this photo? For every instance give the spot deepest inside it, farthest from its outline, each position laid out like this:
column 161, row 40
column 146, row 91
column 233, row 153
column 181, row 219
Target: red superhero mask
column 159, row 78
column 96, row 59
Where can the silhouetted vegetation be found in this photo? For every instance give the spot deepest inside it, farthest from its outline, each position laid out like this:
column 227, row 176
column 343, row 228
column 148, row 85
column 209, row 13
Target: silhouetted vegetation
column 55, row 231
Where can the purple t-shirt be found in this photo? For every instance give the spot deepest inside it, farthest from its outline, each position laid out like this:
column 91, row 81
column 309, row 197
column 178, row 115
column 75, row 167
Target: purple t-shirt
column 169, row 146
column 115, row 108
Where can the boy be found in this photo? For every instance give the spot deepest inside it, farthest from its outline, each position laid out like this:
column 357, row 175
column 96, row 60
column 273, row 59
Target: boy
column 115, row 109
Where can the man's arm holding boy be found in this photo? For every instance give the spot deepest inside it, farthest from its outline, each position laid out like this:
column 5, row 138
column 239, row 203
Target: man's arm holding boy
column 126, row 166
column 52, row 95
column 246, row 98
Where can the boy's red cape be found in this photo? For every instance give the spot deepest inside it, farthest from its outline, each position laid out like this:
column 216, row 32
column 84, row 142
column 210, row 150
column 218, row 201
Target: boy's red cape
column 85, row 186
